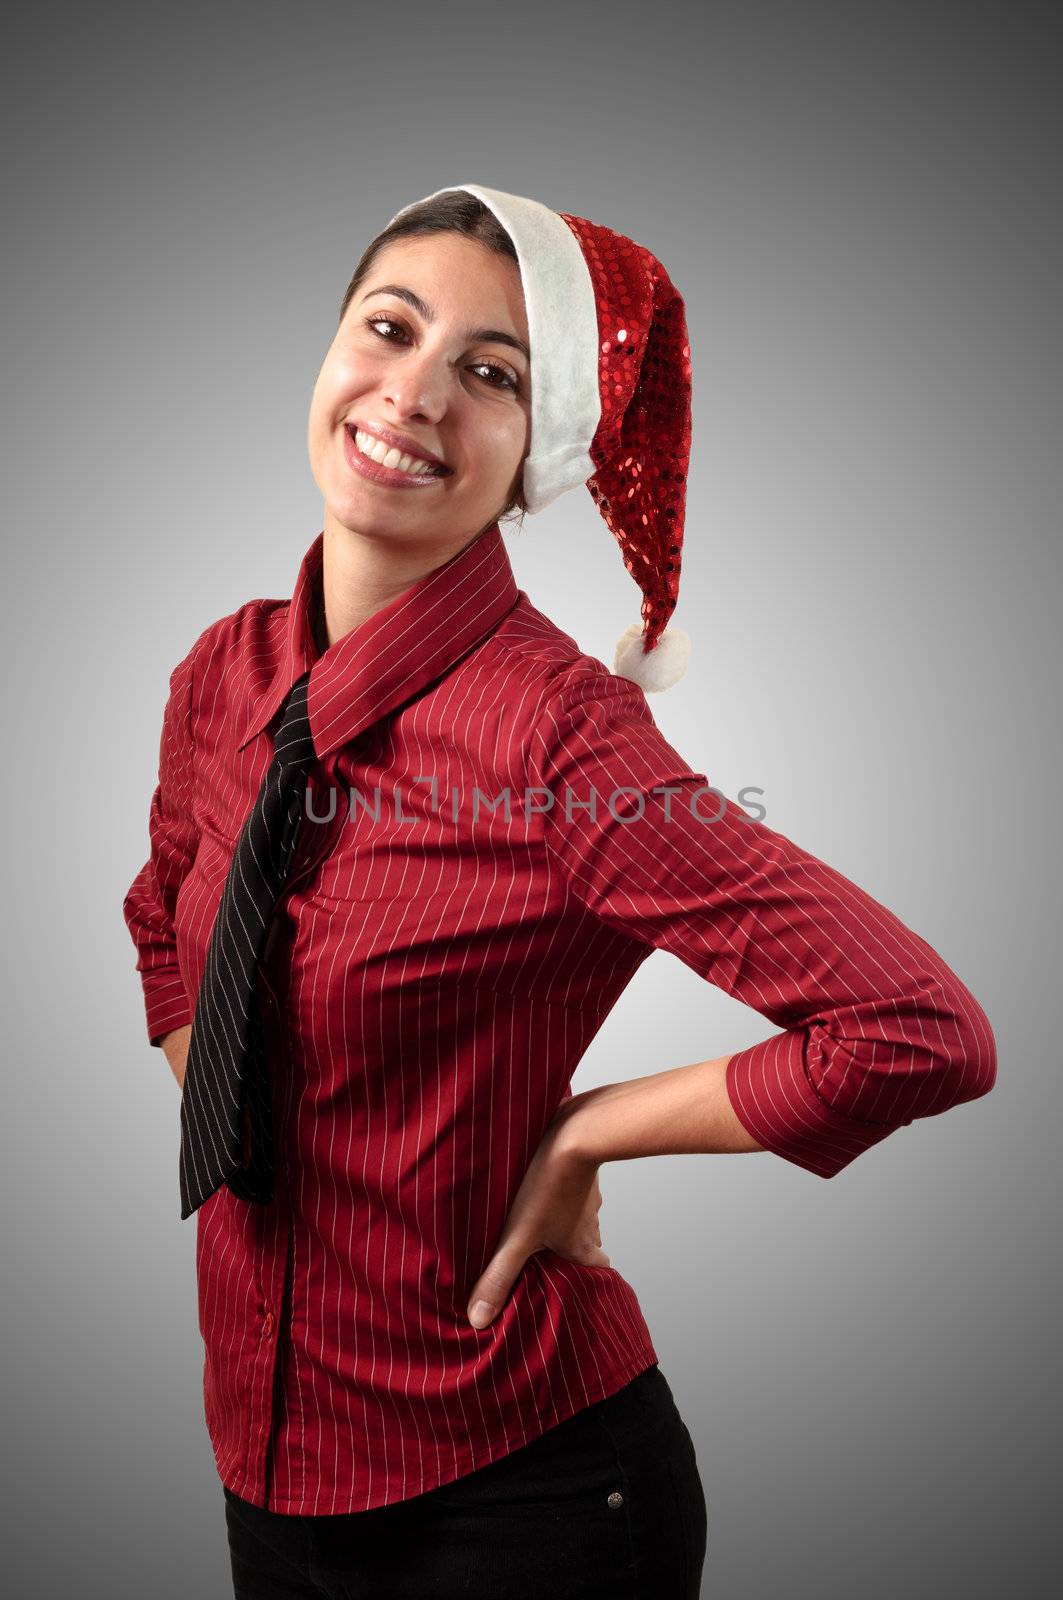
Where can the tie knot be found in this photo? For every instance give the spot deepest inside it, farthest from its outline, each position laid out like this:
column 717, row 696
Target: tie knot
column 293, row 744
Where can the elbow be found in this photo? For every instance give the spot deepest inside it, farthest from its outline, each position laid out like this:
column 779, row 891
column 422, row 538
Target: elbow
column 913, row 1056
column 968, row 1053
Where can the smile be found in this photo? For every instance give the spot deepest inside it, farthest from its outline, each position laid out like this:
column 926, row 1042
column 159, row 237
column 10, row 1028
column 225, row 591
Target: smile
column 382, row 464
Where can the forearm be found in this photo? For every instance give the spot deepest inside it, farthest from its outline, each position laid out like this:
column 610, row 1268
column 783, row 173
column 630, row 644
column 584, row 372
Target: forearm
column 174, row 1046
column 682, row 1111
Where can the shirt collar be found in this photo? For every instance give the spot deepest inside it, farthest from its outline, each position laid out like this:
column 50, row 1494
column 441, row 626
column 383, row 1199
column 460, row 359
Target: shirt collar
column 393, row 654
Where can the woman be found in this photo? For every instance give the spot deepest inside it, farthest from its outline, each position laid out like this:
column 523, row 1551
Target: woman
column 409, row 846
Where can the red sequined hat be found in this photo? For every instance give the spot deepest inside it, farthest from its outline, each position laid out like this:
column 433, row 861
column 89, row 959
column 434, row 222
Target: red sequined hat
column 610, row 403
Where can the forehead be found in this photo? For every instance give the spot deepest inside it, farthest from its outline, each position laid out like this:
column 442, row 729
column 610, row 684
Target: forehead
column 454, row 274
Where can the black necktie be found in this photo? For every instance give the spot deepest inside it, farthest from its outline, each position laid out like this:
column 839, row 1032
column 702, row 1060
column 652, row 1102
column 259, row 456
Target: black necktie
column 226, row 1127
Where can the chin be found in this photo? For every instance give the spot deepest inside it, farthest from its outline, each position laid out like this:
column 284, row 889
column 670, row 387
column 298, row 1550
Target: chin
column 360, row 515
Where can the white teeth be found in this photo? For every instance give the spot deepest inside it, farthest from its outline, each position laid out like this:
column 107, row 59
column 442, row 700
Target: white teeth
column 388, row 456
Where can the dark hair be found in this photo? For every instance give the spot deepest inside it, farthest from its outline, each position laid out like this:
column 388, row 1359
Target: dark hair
column 454, row 211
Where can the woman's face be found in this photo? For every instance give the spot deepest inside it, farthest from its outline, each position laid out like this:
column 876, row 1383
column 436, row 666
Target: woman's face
column 441, row 377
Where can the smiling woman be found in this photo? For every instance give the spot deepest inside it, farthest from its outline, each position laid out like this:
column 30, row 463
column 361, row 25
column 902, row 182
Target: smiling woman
column 424, row 1374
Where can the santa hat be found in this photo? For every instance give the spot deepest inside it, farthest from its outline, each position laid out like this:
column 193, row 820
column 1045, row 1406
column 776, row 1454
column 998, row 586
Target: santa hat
column 610, row 403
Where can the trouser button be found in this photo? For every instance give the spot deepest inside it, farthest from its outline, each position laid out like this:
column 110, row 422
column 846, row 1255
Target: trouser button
column 615, row 1499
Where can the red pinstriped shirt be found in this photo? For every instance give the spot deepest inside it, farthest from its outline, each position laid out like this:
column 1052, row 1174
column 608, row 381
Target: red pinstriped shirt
column 437, row 966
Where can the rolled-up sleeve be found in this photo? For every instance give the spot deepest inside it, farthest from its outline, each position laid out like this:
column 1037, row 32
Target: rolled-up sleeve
column 151, row 899
column 877, row 1030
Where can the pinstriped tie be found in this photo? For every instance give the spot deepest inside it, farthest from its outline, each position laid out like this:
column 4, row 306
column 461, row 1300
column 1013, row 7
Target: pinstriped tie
column 226, row 1123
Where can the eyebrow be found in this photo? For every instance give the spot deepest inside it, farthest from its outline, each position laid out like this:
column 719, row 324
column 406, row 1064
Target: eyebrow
column 491, row 335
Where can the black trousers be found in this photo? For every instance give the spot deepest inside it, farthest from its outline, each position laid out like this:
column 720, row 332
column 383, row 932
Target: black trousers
column 607, row 1505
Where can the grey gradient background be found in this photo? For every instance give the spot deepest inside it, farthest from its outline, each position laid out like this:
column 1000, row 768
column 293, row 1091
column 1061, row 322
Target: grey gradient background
column 860, row 204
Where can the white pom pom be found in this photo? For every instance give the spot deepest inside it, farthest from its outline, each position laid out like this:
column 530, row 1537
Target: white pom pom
column 657, row 669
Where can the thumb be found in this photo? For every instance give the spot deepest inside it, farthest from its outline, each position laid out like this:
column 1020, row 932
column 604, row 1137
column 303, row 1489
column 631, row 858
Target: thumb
column 494, row 1284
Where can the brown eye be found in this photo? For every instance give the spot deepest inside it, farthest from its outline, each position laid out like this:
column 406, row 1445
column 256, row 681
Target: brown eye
column 508, row 380
column 501, row 377
column 371, row 322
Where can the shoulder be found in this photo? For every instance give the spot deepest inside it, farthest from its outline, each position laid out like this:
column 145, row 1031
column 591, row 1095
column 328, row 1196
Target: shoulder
column 581, row 719
column 531, row 648
column 543, row 700
column 232, row 637
column 588, row 714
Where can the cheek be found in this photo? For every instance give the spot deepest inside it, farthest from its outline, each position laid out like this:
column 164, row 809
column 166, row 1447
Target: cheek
column 340, row 382
column 504, row 443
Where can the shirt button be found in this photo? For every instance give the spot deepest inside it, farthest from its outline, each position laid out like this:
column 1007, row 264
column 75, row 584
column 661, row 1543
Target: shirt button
column 267, row 1326
column 615, row 1499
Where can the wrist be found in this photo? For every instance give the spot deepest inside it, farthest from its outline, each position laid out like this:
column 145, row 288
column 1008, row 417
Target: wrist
column 578, row 1123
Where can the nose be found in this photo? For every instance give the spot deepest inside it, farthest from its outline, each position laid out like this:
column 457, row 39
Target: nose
column 417, row 386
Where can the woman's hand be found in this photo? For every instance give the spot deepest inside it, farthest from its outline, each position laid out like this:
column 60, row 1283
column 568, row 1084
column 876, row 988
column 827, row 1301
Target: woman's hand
column 556, row 1207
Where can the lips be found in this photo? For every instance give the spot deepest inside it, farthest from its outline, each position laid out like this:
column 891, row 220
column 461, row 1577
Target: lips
column 387, row 477
column 401, row 442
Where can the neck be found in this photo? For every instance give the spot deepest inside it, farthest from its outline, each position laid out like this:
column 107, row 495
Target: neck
column 362, row 573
